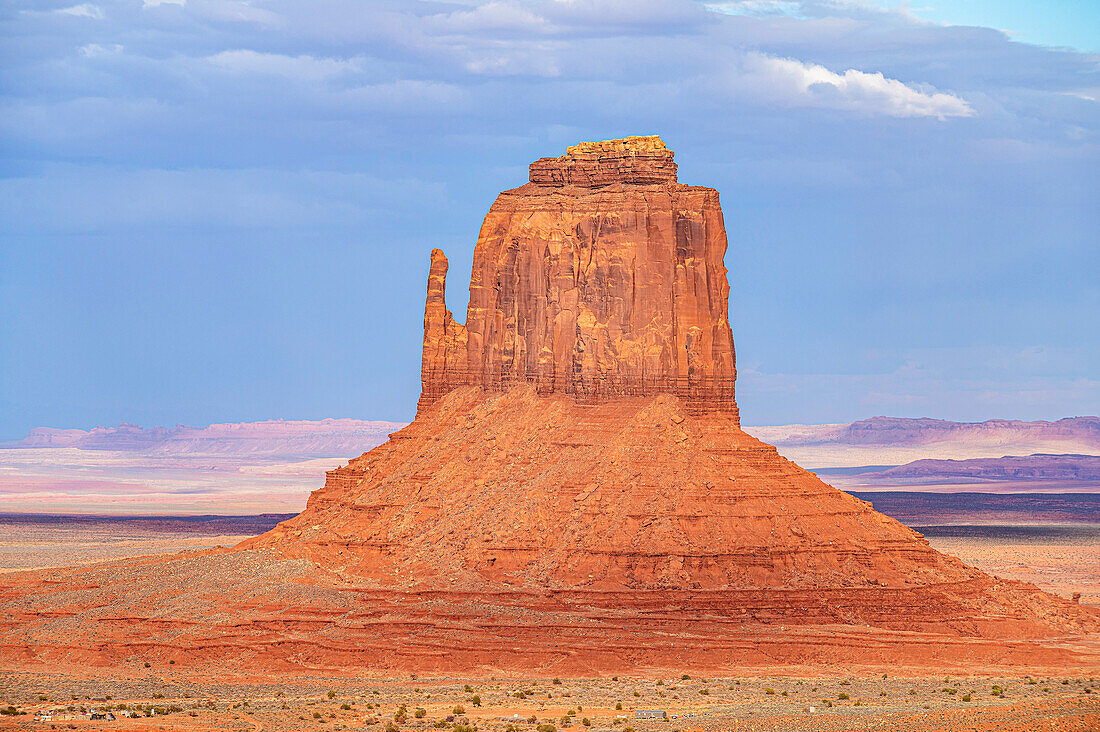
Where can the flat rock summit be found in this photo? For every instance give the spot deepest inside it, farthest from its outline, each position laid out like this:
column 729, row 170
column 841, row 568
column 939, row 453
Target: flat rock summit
column 575, row 496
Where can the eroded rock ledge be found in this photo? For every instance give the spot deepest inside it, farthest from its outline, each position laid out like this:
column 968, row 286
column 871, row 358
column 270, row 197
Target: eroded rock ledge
column 595, row 164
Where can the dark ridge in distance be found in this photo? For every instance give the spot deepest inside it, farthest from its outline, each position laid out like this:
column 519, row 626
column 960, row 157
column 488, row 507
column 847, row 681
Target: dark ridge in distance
column 1013, row 533
column 933, row 509
column 204, row 524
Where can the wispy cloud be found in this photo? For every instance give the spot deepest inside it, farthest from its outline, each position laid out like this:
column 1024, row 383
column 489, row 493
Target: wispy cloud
column 84, row 10
column 302, row 68
column 763, row 78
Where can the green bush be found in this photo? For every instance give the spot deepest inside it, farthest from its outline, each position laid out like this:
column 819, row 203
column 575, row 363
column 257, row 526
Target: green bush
column 420, row 713
column 345, row 706
column 842, row 695
column 467, row 688
column 458, row 710
column 966, row 697
column 546, row 728
column 769, row 691
column 557, row 681
column 475, row 700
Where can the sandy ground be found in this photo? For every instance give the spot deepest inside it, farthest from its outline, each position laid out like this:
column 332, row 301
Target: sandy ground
column 41, row 547
column 1058, row 567
column 608, row 704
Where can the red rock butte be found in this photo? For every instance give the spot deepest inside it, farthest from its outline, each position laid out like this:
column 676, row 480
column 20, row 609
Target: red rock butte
column 575, row 495
column 602, row 278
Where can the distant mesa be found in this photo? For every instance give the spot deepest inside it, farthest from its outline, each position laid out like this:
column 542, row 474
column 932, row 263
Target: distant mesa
column 898, row 431
column 575, row 495
column 1009, row 467
column 272, row 437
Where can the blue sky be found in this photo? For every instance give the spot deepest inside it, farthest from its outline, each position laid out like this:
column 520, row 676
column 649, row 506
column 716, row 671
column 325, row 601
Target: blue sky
column 216, row 210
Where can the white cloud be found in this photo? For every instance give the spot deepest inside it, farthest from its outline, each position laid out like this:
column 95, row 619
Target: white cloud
column 155, row 3
column 96, row 49
column 302, row 68
column 796, row 83
column 84, row 10
column 493, row 16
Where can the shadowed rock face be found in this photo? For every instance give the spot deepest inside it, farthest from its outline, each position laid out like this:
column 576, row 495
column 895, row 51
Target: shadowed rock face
column 601, row 278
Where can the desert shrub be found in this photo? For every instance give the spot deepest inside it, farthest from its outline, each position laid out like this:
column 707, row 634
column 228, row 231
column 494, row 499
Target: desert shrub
column 463, row 728
column 614, row 678
column 660, row 682
column 685, row 677
column 316, row 715
column 391, row 727
column 845, row 682
column 41, row 697
column 842, row 695
column 586, row 722
column 345, row 706
column 10, row 711
column 475, row 700
column 547, row 727
column 628, row 729
column 784, row 692
column 619, row 705
column 636, row 694
column 557, row 681
column 532, row 719
column 161, row 696
column 147, row 664
column 965, row 697
column 330, row 694
column 769, row 691
column 420, row 713
column 458, row 710
column 858, row 703
column 912, row 692
column 519, row 694
column 467, row 688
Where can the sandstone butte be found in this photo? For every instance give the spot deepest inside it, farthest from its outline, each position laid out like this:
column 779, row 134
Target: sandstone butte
column 575, row 496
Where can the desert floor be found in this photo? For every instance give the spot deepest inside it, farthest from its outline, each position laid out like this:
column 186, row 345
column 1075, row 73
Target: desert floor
column 179, row 703
column 1062, row 561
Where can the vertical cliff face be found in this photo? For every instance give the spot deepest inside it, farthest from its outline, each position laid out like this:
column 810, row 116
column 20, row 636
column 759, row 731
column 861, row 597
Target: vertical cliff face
column 601, row 278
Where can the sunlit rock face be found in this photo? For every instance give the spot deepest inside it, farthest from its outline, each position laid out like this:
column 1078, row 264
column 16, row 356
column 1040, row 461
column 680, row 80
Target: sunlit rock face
column 601, row 278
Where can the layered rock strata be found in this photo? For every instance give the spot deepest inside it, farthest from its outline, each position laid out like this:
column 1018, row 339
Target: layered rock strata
column 601, row 278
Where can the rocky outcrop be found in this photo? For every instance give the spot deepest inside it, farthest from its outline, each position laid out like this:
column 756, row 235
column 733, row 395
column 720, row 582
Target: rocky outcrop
column 595, row 164
column 602, row 278
column 575, row 495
